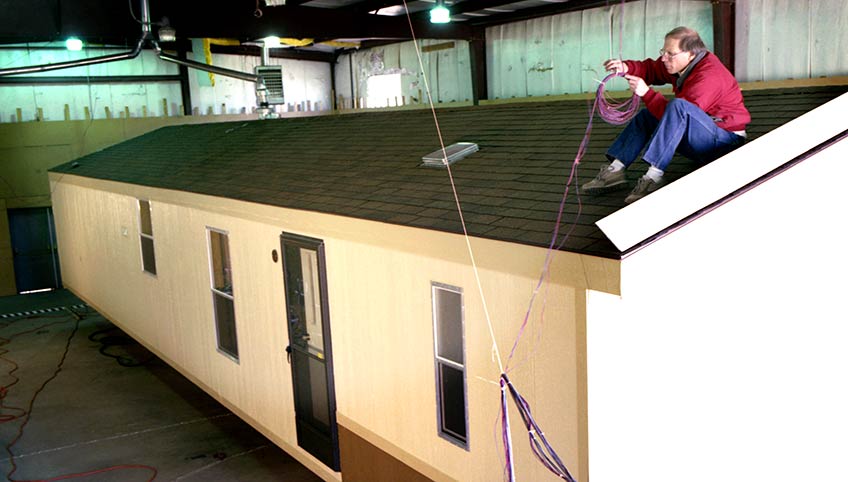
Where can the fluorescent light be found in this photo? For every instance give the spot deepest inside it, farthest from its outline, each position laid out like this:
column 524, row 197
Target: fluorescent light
column 35, row 291
column 271, row 42
column 439, row 13
column 73, row 43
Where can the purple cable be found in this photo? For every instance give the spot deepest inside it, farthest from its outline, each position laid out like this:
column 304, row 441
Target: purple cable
column 538, row 442
column 614, row 112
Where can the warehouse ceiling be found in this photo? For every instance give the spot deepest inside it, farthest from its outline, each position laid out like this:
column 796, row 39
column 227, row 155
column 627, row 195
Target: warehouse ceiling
column 360, row 23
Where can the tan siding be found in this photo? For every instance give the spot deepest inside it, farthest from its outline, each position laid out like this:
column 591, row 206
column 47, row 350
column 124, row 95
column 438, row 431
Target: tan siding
column 379, row 279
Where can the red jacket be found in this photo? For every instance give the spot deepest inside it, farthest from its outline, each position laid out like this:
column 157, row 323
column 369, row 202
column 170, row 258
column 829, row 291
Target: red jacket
column 709, row 85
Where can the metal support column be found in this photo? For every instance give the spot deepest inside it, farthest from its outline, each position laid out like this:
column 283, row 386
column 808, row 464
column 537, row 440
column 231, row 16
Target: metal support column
column 724, row 32
column 479, row 79
column 185, row 86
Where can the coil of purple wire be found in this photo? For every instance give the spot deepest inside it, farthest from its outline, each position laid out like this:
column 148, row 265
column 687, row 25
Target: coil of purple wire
column 612, row 111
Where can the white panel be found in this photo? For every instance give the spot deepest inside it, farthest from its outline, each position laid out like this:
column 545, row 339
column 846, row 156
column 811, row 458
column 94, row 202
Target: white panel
column 786, row 39
column 540, row 69
column 829, row 38
column 305, row 81
column 725, row 356
column 50, row 98
column 631, row 44
column 597, row 47
column 431, row 68
column 636, row 222
column 698, row 15
column 567, row 32
column 412, row 82
column 779, row 40
column 316, row 78
column 512, row 67
column 463, row 68
column 660, row 17
column 448, row 72
column 494, row 60
column 749, row 37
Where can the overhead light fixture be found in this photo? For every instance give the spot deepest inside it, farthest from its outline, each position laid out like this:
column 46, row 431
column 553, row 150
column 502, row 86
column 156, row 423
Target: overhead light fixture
column 271, row 42
column 74, row 44
column 440, row 13
column 167, row 34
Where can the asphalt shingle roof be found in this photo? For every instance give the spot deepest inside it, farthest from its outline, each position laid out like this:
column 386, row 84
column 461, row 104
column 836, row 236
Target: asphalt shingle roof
column 367, row 165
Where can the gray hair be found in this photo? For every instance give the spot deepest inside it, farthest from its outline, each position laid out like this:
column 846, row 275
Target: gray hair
column 689, row 39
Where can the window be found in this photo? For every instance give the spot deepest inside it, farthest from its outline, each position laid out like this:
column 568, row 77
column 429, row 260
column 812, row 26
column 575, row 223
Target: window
column 383, row 90
column 148, row 257
column 449, row 347
column 222, row 292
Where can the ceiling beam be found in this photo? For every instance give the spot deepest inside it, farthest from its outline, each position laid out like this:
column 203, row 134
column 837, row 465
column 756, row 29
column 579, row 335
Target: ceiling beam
column 110, row 22
column 310, row 22
column 292, row 53
column 543, row 11
column 369, row 6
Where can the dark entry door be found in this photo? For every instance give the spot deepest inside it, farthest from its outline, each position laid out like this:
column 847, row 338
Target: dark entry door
column 34, row 250
column 310, row 350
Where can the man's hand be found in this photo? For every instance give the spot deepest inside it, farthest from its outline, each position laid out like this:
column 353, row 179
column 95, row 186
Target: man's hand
column 637, row 85
column 616, row 65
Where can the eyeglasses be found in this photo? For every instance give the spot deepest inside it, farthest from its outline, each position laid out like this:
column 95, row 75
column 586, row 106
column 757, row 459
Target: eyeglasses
column 668, row 55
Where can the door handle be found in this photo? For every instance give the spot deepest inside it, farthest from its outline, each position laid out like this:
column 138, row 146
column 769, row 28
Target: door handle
column 288, row 354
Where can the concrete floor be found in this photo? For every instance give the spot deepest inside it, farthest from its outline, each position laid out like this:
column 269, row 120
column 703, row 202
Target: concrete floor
column 96, row 413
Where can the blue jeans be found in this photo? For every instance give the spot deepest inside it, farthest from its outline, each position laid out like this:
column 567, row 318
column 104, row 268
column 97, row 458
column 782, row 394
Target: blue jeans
column 684, row 128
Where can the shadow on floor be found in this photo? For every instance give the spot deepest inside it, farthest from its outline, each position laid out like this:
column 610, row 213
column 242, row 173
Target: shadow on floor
column 114, row 404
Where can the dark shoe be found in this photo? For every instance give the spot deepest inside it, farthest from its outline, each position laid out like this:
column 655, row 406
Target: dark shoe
column 605, row 181
column 644, row 186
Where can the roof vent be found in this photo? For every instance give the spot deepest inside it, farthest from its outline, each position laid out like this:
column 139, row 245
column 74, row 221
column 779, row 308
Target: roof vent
column 454, row 153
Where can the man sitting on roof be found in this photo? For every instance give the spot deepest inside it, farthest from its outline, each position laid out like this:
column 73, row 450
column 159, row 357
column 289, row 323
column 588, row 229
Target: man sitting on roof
column 705, row 120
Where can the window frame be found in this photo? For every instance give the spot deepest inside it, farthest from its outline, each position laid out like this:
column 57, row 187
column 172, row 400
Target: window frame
column 439, row 361
column 142, row 236
column 218, row 293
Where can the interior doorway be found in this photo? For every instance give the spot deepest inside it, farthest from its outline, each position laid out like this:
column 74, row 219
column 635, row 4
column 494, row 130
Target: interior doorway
column 34, row 250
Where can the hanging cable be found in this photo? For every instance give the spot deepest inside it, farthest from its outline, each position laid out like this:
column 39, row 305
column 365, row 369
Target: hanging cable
column 612, row 112
column 495, row 351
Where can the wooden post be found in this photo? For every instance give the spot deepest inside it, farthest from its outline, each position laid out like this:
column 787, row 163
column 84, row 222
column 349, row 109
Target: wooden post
column 127, row 111
column 420, row 97
column 39, row 114
column 164, row 107
column 87, row 112
column 144, row 111
column 108, row 112
column 19, row 114
column 67, row 112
